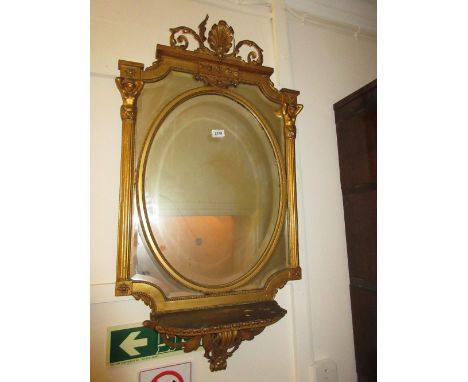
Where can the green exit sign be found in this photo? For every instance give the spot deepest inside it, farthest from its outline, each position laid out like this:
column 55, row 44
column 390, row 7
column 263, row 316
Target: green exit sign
column 135, row 342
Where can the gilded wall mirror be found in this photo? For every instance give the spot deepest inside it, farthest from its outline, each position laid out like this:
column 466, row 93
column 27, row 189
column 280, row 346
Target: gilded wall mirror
column 207, row 219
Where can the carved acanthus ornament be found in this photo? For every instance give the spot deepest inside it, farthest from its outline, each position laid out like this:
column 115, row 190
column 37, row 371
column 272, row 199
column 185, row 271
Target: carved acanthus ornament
column 129, row 90
column 218, row 346
column 217, row 74
column 220, row 40
column 220, row 332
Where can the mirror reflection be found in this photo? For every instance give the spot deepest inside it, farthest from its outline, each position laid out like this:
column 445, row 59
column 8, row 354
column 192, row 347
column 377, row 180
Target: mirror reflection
column 212, row 190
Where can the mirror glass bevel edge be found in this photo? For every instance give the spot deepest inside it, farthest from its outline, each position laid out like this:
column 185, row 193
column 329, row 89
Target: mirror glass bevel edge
column 280, row 164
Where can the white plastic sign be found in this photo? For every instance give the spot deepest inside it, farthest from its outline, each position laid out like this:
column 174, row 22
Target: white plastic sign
column 181, row 372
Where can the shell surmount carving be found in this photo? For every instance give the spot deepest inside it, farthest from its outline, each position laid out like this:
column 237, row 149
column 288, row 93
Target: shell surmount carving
column 220, row 42
column 220, row 38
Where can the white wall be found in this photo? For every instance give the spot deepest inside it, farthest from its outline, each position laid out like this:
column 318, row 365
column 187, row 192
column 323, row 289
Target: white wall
column 326, row 65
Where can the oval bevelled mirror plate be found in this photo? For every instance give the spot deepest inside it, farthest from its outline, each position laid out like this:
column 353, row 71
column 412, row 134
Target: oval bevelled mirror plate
column 211, row 190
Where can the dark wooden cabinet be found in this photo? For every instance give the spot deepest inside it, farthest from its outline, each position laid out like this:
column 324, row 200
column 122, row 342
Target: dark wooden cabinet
column 356, row 130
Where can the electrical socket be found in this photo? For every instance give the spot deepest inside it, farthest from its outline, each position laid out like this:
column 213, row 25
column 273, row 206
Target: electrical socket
column 324, row 370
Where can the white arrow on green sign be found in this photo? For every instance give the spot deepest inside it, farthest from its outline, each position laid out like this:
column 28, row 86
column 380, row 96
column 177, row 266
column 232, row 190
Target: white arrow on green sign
column 134, row 342
column 130, row 343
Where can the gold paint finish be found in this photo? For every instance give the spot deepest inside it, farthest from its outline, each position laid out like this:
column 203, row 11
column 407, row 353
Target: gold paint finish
column 160, row 304
column 130, row 89
column 289, row 111
column 218, row 317
column 220, row 330
column 220, row 40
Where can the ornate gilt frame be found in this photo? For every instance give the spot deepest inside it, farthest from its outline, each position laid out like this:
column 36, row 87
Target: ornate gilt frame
column 219, row 68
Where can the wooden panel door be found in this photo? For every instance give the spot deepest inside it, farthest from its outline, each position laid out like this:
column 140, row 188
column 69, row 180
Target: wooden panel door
column 356, row 129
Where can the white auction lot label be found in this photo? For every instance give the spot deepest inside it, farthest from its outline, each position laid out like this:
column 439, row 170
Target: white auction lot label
column 217, row 134
column 181, row 372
